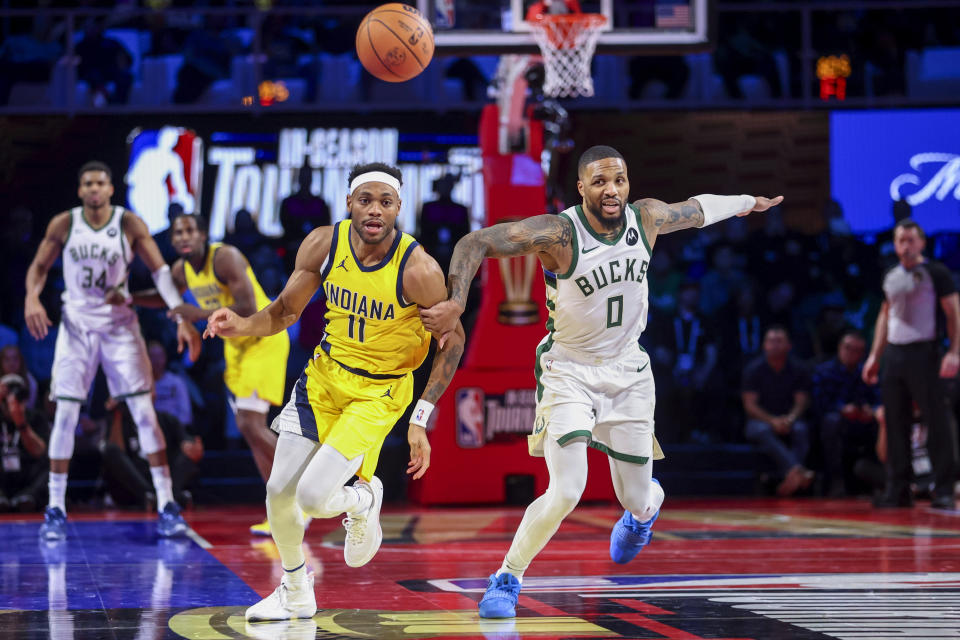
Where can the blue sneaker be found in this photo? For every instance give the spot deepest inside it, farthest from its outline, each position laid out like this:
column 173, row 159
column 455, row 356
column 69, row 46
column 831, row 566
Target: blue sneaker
column 629, row 536
column 170, row 523
column 500, row 600
column 54, row 525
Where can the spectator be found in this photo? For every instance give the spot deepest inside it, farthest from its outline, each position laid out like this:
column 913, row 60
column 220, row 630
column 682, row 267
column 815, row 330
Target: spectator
column 26, row 57
column 915, row 288
column 170, row 389
column 741, row 337
column 125, row 469
column 105, row 65
column 686, row 346
column 11, row 361
column 206, row 59
column 24, row 471
column 443, row 221
column 775, row 395
column 847, row 408
column 301, row 213
column 721, row 280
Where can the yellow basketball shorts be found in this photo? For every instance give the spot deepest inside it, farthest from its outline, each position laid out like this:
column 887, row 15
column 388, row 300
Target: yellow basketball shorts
column 257, row 367
column 348, row 411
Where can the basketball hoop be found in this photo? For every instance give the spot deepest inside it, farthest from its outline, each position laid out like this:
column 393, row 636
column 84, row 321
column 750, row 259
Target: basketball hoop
column 567, row 42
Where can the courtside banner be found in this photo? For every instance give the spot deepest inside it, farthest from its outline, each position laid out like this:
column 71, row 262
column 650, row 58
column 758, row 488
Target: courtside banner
column 880, row 157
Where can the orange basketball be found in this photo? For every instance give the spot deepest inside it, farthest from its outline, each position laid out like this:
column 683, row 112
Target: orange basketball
column 395, row 42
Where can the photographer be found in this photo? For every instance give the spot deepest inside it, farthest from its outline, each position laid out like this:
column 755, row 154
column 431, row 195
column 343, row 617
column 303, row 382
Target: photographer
column 24, row 470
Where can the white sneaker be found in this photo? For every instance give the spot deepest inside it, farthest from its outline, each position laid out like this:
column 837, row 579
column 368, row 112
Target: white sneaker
column 286, row 602
column 364, row 534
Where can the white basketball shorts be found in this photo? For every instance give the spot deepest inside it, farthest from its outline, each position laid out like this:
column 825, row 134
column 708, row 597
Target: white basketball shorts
column 119, row 348
column 606, row 403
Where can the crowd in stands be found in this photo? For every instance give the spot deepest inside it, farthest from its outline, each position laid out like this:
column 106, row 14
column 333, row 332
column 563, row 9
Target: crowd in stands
column 759, row 54
column 756, row 337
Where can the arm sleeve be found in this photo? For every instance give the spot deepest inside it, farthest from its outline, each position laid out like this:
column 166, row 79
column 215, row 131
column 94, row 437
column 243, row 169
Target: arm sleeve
column 942, row 279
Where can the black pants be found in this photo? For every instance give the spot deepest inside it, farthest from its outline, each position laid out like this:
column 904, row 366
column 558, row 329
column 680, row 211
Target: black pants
column 911, row 374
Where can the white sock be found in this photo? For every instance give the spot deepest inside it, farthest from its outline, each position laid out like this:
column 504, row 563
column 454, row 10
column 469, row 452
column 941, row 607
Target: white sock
column 57, row 485
column 162, row 484
column 296, row 577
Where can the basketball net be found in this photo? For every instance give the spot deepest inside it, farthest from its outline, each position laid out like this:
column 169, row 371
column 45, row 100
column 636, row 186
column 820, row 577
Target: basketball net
column 567, row 42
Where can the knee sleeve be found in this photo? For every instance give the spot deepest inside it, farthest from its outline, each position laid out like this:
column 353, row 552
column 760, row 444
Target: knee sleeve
column 148, row 429
column 65, row 421
column 643, row 500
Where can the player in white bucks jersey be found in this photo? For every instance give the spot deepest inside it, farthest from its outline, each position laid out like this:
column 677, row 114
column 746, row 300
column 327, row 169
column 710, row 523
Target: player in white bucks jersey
column 97, row 328
column 594, row 384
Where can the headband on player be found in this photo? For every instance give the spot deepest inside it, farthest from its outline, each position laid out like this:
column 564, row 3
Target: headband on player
column 375, row 176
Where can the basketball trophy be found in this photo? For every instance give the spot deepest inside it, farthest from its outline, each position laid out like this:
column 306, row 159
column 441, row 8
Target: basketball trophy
column 517, row 275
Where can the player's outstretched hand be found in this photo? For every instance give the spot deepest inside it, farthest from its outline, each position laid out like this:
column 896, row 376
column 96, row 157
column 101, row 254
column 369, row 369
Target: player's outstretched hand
column 187, row 335
column 419, row 451
column 441, row 319
column 224, row 323
column 763, row 204
column 36, row 318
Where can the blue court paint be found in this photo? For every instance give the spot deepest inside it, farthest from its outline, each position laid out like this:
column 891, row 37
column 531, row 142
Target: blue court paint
column 111, row 565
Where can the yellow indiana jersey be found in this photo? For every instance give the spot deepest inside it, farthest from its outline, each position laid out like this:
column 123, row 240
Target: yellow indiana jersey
column 210, row 292
column 370, row 327
column 255, row 367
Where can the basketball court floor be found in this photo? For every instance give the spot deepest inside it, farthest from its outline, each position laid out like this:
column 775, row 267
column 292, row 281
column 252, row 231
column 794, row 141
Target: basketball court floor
column 719, row 568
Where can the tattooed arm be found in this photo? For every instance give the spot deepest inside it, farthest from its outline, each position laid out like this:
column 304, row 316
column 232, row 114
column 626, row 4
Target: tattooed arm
column 547, row 236
column 659, row 217
column 423, row 284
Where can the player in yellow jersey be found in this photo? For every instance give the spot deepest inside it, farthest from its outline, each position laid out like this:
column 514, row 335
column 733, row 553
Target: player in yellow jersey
column 219, row 276
column 358, row 382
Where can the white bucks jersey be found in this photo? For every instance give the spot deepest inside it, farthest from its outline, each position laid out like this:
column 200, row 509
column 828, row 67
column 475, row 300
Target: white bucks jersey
column 94, row 261
column 599, row 306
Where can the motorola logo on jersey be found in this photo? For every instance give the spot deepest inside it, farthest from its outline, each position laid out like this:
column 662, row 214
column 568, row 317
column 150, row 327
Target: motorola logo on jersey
column 632, row 236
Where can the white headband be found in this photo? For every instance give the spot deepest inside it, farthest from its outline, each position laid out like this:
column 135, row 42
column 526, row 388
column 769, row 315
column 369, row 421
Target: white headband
column 375, row 176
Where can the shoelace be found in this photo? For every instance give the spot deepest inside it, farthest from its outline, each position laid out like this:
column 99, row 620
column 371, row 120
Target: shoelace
column 356, row 529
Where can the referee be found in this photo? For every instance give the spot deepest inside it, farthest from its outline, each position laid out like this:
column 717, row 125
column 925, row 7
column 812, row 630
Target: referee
column 908, row 323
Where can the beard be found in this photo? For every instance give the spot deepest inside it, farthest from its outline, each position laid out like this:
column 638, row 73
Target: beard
column 607, row 223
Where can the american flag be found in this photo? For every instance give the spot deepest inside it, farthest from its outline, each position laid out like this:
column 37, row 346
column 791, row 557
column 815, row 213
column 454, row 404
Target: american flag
column 674, row 14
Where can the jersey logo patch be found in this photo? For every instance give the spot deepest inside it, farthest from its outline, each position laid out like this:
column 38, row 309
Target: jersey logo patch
column 632, row 237
column 386, row 394
column 343, row 265
column 585, row 250
column 112, row 231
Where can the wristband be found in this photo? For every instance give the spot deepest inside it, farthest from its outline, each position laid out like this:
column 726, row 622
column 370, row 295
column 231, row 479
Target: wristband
column 717, row 208
column 421, row 413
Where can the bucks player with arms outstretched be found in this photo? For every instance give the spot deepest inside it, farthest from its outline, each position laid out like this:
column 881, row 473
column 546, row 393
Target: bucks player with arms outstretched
column 98, row 241
column 594, row 384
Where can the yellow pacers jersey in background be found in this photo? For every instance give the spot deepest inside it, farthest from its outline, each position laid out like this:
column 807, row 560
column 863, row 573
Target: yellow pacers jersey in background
column 254, row 366
column 370, row 327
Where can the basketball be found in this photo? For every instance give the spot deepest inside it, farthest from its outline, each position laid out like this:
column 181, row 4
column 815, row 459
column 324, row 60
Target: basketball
column 395, row 42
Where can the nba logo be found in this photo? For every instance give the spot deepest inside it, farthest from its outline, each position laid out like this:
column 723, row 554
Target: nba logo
column 470, row 417
column 446, row 16
column 166, row 167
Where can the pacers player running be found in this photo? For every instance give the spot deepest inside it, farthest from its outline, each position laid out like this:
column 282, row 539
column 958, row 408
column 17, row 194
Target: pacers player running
column 98, row 242
column 358, row 383
column 594, row 385
column 219, row 276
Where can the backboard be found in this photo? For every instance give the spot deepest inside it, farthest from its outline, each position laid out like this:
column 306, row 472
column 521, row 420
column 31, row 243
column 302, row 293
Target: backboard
column 496, row 27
